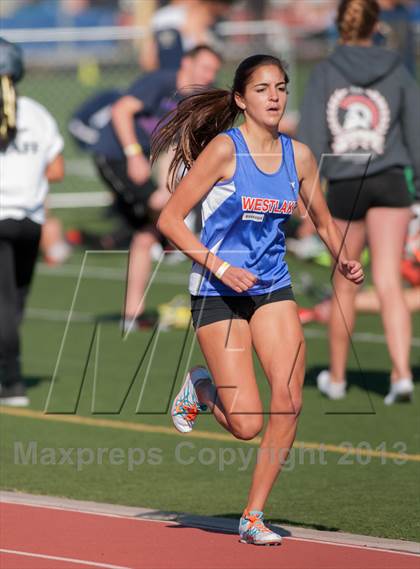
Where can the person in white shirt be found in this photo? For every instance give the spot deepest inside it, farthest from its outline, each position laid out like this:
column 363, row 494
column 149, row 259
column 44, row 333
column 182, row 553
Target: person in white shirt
column 30, row 157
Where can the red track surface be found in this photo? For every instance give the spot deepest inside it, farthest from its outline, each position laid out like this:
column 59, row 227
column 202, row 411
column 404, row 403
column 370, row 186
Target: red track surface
column 104, row 541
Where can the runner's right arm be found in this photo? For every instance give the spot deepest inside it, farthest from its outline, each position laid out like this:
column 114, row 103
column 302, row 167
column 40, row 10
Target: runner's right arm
column 215, row 163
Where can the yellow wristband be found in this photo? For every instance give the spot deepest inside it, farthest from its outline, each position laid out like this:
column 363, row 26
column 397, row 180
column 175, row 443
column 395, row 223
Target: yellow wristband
column 222, row 269
column 133, row 150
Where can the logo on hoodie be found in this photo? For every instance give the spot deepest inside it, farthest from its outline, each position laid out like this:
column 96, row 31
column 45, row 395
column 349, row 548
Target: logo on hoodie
column 358, row 119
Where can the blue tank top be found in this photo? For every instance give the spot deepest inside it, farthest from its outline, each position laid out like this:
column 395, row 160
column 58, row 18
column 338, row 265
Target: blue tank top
column 242, row 222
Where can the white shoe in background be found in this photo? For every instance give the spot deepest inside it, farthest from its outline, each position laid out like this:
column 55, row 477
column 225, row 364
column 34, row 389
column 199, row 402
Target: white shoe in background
column 401, row 390
column 306, row 247
column 332, row 389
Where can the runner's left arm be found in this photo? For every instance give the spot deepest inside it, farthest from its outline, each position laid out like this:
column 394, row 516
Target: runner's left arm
column 314, row 201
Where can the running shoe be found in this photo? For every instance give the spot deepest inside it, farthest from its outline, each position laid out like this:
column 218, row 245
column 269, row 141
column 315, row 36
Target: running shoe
column 145, row 321
column 252, row 530
column 14, row 395
column 186, row 405
column 306, row 248
column 332, row 389
column 401, row 390
column 58, row 253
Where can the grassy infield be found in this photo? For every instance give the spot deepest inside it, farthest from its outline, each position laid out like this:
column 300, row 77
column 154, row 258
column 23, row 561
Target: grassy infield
column 364, row 494
column 331, row 490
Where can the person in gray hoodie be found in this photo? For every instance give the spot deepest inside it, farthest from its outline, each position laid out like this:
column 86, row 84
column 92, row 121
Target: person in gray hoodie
column 361, row 118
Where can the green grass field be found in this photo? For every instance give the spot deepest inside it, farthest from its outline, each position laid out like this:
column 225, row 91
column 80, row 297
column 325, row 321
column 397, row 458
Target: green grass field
column 334, row 489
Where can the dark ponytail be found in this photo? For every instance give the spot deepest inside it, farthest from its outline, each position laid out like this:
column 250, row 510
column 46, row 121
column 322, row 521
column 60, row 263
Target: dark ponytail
column 356, row 19
column 197, row 119
column 201, row 116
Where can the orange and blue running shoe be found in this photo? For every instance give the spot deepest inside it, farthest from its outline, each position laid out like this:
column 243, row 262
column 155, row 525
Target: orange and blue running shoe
column 252, row 530
column 186, row 405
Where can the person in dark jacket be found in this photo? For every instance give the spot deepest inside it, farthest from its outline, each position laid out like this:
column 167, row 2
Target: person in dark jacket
column 91, row 116
column 122, row 152
column 361, row 118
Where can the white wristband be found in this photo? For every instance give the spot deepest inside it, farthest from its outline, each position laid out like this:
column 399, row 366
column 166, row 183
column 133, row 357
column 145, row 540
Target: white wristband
column 222, row 269
column 134, row 149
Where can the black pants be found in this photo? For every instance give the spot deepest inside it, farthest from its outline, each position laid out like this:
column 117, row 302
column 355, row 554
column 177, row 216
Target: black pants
column 130, row 198
column 19, row 242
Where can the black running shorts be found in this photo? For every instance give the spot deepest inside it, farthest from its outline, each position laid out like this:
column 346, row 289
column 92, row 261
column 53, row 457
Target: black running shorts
column 209, row 309
column 352, row 198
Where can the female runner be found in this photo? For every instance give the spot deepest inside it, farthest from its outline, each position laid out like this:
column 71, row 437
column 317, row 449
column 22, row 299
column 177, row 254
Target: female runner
column 248, row 179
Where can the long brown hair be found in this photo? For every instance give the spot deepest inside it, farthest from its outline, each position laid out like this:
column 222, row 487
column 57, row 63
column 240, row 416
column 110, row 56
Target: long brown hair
column 203, row 115
column 356, row 19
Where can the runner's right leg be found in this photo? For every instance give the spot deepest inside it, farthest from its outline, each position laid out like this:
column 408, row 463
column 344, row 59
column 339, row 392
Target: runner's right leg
column 235, row 400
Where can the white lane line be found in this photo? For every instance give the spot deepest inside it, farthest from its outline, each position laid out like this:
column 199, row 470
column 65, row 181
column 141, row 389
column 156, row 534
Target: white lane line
column 107, row 273
column 79, row 199
column 89, row 512
column 65, row 559
column 59, row 315
column 62, row 316
column 362, row 337
column 364, row 547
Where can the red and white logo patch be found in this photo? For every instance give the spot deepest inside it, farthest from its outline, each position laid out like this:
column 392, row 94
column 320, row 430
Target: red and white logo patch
column 358, row 119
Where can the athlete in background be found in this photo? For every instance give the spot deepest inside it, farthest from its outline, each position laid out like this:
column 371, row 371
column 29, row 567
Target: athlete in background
column 362, row 109
column 122, row 152
column 30, row 158
column 241, row 296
